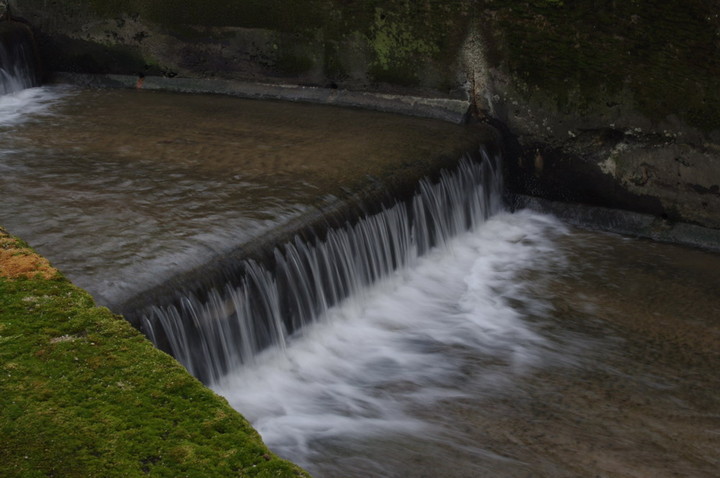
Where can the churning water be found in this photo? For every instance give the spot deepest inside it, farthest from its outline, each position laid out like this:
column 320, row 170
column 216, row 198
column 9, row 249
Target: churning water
column 227, row 329
column 520, row 348
column 28, row 105
column 20, row 96
column 413, row 339
column 498, row 344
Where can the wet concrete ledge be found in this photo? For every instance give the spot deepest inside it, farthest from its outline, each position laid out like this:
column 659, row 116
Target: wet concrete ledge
column 619, row 221
column 328, row 213
column 647, row 221
column 445, row 109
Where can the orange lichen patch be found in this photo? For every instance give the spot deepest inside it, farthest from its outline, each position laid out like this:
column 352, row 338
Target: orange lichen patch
column 17, row 260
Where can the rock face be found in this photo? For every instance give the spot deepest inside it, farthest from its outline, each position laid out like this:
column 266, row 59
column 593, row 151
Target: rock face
column 356, row 44
column 613, row 104
column 606, row 103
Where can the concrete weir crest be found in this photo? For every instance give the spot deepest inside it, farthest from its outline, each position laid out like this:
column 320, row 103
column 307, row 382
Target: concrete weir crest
column 222, row 321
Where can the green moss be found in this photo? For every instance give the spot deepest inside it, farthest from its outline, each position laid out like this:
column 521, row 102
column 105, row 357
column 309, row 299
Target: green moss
column 403, row 35
column 281, row 15
column 83, row 394
column 666, row 54
column 664, row 57
column 406, row 37
column 394, row 40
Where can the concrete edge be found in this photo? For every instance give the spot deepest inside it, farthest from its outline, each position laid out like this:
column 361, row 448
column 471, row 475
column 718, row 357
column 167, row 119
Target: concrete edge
column 329, row 213
column 623, row 222
column 445, row 109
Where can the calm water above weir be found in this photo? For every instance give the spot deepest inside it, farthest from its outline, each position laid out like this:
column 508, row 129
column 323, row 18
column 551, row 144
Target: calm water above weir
column 519, row 348
column 122, row 189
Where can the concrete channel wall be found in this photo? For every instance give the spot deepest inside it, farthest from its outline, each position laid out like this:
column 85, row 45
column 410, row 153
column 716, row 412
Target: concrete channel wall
column 609, row 104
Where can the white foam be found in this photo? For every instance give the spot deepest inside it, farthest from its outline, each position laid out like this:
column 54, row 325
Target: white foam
column 29, row 104
column 405, row 342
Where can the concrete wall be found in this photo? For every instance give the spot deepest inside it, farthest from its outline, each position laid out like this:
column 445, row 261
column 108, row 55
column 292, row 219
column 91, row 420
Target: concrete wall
column 604, row 102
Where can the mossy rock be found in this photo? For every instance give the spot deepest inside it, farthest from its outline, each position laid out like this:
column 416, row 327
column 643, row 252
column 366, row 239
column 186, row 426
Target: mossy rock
column 401, row 38
column 667, row 55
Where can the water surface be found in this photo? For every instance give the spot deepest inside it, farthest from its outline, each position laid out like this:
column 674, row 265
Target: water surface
column 524, row 348
column 123, row 189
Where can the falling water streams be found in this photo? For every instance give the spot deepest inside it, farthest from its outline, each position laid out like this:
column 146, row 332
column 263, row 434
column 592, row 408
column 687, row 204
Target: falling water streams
column 18, row 68
column 439, row 335
column 235, row 322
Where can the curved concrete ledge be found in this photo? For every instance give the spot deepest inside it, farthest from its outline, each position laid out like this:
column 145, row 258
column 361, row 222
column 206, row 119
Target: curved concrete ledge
column 623, row 222
column 446, row 109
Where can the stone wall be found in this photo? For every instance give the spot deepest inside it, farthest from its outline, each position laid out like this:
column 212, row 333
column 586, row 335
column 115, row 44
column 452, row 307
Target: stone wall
column 604, row 102
column 613, row 104
column 352, row 44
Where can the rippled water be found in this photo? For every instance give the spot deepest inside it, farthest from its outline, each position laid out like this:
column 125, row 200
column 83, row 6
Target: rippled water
column 121, row 189
column 406, row 343
column 522, row 348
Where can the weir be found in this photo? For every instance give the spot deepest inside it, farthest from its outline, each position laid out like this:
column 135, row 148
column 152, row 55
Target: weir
column 220, row 317
column 19, row 67
column 215, row 330
column 428, row 353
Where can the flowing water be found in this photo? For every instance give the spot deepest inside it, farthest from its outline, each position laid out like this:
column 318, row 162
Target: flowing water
column 499, row 344
column 240, row 318
column 17, row 58
column 125, row 188
column 522, row 348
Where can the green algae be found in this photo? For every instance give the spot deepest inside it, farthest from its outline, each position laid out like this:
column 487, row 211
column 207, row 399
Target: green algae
column 403, row 38
column 83, row 394
column 660, row 59
column 409, row 38
column 665, row 55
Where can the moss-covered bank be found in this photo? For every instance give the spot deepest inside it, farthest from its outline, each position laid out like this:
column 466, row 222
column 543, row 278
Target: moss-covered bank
column 83, row 394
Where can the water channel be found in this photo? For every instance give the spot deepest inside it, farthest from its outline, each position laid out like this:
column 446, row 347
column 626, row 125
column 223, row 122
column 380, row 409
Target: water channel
column 519, row 347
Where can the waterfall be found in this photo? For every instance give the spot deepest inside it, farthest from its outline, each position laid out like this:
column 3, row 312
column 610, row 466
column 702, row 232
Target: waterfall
column 234, row 321
column 18, row 62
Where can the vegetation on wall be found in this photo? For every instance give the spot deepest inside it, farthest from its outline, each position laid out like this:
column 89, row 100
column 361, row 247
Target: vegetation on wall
column 403, row 39
column 665, row 54
column 664, row 57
